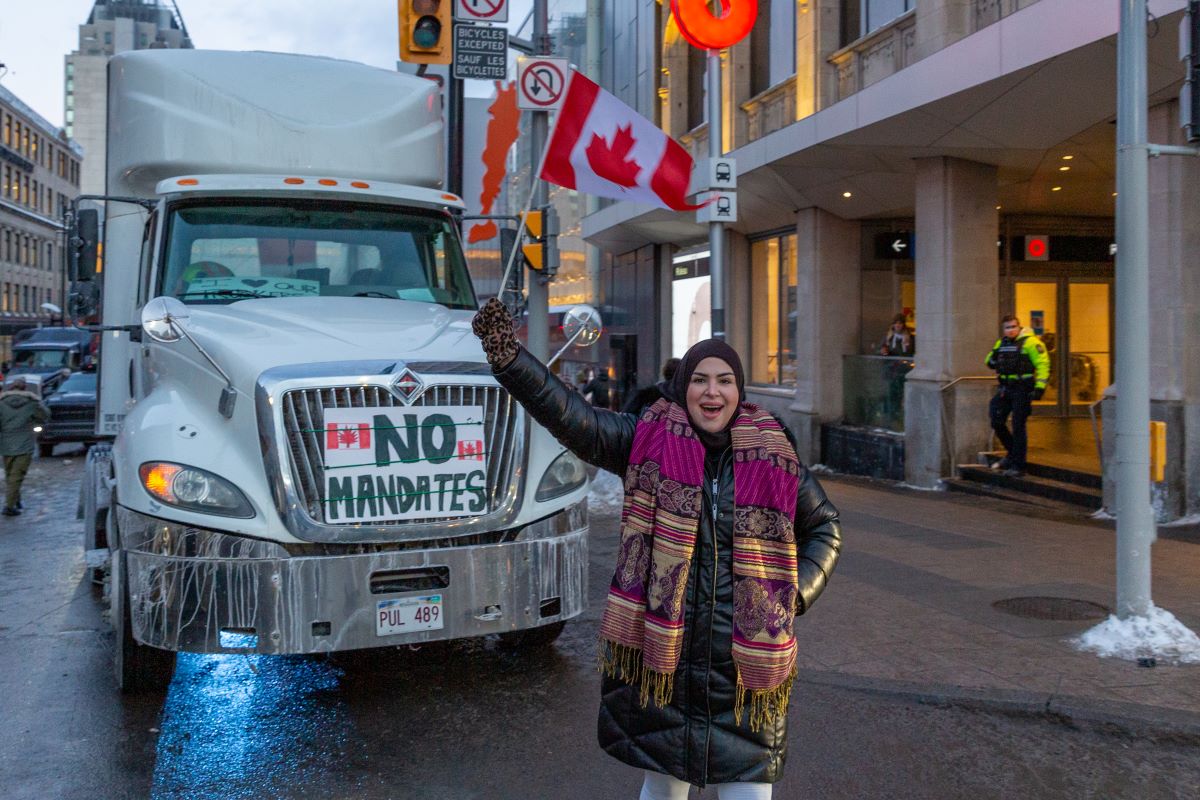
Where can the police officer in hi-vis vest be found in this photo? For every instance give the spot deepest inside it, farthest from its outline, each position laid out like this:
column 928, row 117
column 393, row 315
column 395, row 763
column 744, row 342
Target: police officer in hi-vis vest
column 1022, row 366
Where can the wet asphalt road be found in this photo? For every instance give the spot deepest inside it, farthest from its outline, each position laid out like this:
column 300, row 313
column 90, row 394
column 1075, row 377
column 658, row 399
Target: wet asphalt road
column 461, row 720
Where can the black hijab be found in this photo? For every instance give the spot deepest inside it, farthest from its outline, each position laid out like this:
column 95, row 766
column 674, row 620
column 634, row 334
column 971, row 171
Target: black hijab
column 675, row 390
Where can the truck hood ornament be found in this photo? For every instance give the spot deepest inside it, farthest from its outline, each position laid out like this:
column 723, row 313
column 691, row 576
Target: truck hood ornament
column 407, row 386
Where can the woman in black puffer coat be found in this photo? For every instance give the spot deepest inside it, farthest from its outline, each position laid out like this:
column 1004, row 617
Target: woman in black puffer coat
column 697, row 734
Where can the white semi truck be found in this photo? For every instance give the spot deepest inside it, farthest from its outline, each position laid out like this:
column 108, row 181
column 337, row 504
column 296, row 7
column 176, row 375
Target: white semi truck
column 310, row 453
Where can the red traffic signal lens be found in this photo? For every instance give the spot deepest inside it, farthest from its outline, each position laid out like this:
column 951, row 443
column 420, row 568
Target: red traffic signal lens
column 425, row 6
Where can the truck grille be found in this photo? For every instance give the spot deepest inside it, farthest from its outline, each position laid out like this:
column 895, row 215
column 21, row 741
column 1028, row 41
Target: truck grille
column 303, row 412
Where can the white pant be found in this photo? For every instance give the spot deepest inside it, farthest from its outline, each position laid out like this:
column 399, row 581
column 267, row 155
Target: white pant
column 664, row 787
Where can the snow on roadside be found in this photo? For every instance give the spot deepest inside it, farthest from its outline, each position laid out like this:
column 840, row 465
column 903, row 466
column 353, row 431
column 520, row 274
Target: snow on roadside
column 607, row 494
column 1158, row 634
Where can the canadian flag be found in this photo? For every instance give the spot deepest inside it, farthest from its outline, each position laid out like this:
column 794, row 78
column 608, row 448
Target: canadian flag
column 347, row 436
column 603, row 147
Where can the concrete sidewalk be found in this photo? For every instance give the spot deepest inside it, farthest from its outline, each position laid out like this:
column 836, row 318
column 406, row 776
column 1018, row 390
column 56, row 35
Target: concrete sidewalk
column 910, row 610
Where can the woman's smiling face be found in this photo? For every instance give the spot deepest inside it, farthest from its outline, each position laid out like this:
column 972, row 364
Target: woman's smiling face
column 712, row 395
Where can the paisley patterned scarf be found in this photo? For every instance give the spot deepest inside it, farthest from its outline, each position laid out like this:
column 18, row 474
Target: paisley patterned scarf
column 641, row 633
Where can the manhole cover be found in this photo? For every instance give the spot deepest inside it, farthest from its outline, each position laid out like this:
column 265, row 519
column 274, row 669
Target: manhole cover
column 1063, row 608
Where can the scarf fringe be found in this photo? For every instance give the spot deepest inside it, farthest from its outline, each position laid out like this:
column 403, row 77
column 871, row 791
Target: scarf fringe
column 624, row 663
column 766, row 705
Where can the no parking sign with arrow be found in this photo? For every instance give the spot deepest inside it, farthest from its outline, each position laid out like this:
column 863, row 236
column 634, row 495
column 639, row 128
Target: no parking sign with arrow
column 542, row 81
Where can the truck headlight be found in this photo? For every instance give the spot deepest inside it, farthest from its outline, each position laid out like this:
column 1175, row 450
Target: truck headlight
column 565, row 474
column 193, row 489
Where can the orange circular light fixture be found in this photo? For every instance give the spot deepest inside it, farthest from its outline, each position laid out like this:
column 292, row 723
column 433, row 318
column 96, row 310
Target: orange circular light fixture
column 708, row 32
column 294, row 181
column 360, row 184
column 188, row 182
column 453, row 197
column 327, row 182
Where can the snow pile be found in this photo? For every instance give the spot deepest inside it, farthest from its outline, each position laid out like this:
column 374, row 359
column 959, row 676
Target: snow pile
column 607, row 494
column 1158, row 634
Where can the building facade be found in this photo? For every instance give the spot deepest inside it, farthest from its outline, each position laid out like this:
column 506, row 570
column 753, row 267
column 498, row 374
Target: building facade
column 113, row 26
column 951, row 160
column 39, row 175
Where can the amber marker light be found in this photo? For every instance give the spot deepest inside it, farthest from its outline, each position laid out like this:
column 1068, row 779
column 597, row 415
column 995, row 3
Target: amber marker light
column 157, row 478
column 453, row 197
column 360, row 184
column 327, row 182
column 294, row 181
column 188, row 182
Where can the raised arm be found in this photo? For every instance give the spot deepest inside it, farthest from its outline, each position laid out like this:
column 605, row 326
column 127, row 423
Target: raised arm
column 601, row 438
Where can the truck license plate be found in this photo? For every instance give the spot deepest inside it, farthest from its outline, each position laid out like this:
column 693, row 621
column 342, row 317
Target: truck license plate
column 408, row 614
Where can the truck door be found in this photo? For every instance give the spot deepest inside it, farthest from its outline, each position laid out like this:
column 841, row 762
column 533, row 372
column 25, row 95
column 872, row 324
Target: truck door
column 130, row 233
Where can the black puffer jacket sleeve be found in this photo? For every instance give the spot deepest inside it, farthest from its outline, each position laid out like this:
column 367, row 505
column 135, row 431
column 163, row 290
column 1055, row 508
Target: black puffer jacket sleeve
column 601, row 438
column 818, row 540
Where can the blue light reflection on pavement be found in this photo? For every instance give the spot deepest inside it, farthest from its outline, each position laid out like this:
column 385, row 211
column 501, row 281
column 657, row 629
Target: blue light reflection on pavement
column 248, row 726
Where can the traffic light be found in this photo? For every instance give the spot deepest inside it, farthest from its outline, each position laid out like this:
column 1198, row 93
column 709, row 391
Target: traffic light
column 541, row 233
column 426, row 31
column 535, row 249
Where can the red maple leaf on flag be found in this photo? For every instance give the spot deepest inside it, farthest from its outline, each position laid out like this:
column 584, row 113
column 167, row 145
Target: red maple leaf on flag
column 612, row 162
column 348, row 436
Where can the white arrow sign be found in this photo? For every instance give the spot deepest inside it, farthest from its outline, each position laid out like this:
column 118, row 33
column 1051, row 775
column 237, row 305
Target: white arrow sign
column 899, row 245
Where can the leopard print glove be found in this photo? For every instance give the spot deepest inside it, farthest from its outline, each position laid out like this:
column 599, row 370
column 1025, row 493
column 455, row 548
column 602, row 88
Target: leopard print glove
column 493, row 326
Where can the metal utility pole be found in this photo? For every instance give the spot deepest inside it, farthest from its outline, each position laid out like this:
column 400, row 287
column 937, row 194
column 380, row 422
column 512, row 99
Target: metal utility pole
column 538, row 340
column 1135, row 519
column 716, row 230
column 455, row 112
column 592, row 203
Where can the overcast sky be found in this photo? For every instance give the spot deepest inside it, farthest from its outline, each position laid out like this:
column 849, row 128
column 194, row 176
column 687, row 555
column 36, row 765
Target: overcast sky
column 36, row 35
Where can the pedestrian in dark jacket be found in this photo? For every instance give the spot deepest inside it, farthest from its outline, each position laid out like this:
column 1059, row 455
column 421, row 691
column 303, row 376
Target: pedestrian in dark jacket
column 649, row 395
column 697, row 645
column 20, row 411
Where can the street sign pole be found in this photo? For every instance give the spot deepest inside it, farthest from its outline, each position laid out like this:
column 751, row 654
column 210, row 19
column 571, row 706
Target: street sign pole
column 716, row 230
column 454, row 144
column 538, row 340
column 1135, row 518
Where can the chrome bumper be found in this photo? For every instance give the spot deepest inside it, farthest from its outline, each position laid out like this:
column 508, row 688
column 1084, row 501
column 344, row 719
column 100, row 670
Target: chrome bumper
column 204, row 591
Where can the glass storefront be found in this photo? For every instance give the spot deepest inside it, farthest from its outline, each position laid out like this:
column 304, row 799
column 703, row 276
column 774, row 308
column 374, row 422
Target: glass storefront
column 1073, row 318
column 773, row 310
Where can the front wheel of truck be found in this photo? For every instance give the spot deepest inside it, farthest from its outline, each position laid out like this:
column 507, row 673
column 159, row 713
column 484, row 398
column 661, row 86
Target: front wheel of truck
column 138, row 667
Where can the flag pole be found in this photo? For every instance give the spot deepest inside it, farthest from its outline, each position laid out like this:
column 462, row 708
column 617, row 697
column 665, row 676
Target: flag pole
column 716, row 230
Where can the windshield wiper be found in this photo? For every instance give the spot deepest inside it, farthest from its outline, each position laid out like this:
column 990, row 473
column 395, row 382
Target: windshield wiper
column 222, row 293
column 376, row 294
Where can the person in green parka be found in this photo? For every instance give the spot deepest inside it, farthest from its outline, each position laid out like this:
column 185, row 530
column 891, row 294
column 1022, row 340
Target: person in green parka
column 20, row 411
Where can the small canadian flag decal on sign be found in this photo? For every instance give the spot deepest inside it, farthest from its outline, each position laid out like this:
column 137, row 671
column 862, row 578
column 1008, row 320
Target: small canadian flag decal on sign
column 347, row 436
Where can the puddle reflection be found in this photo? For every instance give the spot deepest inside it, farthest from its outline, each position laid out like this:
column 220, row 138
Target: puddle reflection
column 243, row 726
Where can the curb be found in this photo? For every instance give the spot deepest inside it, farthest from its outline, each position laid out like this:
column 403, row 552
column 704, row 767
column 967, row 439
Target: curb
column 1103, row 716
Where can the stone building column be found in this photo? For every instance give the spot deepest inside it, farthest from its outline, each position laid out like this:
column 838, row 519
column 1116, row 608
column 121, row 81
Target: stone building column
column 829, row 309
column 957, row 277
column 1174, row 323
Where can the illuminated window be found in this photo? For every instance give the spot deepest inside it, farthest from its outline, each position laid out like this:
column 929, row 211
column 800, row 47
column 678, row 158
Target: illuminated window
column 773, row 310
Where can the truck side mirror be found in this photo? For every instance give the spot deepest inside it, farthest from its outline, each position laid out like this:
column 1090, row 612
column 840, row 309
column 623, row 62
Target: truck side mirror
column 85, row 245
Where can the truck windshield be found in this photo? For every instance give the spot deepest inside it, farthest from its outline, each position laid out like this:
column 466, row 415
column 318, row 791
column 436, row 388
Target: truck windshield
column 229, row 252
column 41, row 358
